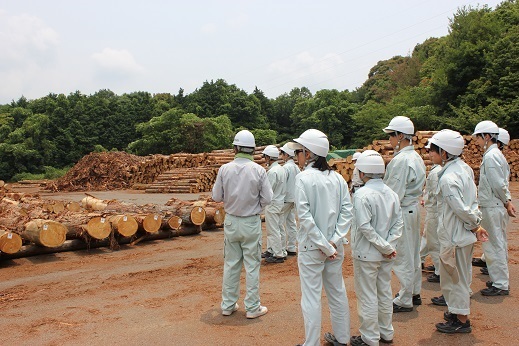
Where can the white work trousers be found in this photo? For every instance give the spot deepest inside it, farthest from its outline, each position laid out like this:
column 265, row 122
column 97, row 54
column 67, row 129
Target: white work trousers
column 431, row 236
column 316, row 270
column 374, row 300
column 407, row 266
column 242, row 244
column 288, row 228
column 457, row 295
column 273, row 216
column 495, row 220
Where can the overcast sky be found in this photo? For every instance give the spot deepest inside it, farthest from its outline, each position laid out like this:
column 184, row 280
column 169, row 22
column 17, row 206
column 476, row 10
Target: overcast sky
column 50, row 46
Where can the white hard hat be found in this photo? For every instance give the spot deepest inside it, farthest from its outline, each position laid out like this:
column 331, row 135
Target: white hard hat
column 400, row 124
column 315, row 141
column 448, row 140
column 355, row 156
column 271, row 150
column 370, row 162
column 504, row 136
column 285, row 148
column 244, row 138
column 486, row 126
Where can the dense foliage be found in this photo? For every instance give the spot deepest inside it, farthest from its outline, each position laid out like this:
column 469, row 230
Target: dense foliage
column 453, row 81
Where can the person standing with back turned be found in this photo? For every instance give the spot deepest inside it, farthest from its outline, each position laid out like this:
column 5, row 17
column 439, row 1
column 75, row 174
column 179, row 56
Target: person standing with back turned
column 244, row 188
column 405, row 174
column 324, row 210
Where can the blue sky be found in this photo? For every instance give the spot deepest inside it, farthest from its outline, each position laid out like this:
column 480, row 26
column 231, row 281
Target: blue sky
column 162, row 46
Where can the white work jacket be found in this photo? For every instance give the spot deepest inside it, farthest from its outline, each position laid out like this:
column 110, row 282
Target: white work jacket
column 405, row 174
column 494, row 175
column 458, row 211
column 243, row 187
column 377, row 221
column 355, row 178
column 324, row 210
column 431, row 186
column 292, row 170
column 277, row 176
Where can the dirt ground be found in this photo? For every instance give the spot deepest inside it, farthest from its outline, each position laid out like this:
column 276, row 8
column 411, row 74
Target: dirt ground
column 167, row 292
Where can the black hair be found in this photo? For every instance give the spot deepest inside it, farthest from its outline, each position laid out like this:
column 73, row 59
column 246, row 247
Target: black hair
column 321, row 164
column 434, row 148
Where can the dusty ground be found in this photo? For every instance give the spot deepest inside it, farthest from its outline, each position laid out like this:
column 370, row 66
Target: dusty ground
column 167, row 292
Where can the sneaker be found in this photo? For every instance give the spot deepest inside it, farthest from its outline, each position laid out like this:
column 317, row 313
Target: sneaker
column 494, row 291
column 273, row 259
column 357, row 341
column 447, row 316
column 433, row 278
column 266, row 254
column 332, row 340
column 454, row 326
column 478, row 262
column 292, row 253
column 229, row 312
column 398, row 308
column 439, row 301
column 484, row 271
column 417, row 300
column 262, row 310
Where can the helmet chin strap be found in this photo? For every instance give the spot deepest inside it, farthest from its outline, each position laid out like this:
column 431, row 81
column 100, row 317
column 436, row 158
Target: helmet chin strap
column 310, row 160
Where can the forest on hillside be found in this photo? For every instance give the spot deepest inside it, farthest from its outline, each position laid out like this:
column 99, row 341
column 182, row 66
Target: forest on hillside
column 453, row 82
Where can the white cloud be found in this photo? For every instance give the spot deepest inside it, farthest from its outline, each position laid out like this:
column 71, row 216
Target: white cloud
column 118, row 62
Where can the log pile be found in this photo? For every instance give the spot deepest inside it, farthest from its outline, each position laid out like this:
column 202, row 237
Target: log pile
column 472, row 155
column 44, row 228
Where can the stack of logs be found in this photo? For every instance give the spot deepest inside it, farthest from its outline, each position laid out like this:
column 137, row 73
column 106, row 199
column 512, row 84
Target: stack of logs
column 54, row 226
column 472, row 155
column 183, row 173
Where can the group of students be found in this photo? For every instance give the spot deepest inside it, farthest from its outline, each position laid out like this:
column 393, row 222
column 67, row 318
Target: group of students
column 384, row 217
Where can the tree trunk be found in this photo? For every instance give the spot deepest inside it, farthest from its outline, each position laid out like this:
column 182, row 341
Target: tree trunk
column 125, row 224
column 45, row 232
column 10, row 242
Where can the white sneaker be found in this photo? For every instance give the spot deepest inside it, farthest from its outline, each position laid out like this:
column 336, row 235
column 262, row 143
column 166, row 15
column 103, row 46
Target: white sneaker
column 262, row 310
column 229, row 312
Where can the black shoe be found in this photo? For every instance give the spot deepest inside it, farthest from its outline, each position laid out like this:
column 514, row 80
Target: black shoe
column 489, row 284
column 494, row 291
column 291, row 253
column 384, row 341
column 332, row 340
column 273, row 259
column 417, row 300
column 429, row 269
column 484, row 271
column 478, row 262
column 447, row 316
column 266, row 254
column 433, row 278
column 439, row 301
column 357, row 341
column 398, row 308
column 454, row 326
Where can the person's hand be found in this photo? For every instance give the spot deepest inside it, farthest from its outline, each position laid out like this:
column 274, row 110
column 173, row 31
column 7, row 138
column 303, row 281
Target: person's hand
column 391, row 255
column 481, row 234
column 334, row 256
column 510, row 208
column 422, row 202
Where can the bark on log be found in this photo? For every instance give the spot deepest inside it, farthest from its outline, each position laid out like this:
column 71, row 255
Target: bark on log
column 10, row 242
column 45, row 232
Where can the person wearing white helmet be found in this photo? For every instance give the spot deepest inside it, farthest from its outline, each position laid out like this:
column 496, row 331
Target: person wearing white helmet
column 288, row 220
column 274, row 211
column 324, row 210
column 495, row 202
column 503, row 138
column 244, row 188
column 406, row 176
column 375, row 231
column 356, row 182
column 459, row 228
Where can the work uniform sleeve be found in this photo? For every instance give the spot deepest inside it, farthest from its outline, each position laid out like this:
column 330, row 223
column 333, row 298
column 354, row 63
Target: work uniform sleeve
column 452, row 195
column 497, row 179
column 217, row 194
column 396, row 229
column 397, row 180
column 363, row 216
column 345, row 212
column 265, row 190
column 307, row 223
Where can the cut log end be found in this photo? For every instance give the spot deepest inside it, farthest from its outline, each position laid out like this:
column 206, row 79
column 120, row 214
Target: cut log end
column 197, row 216
column 98, row 228
column 10, row 242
